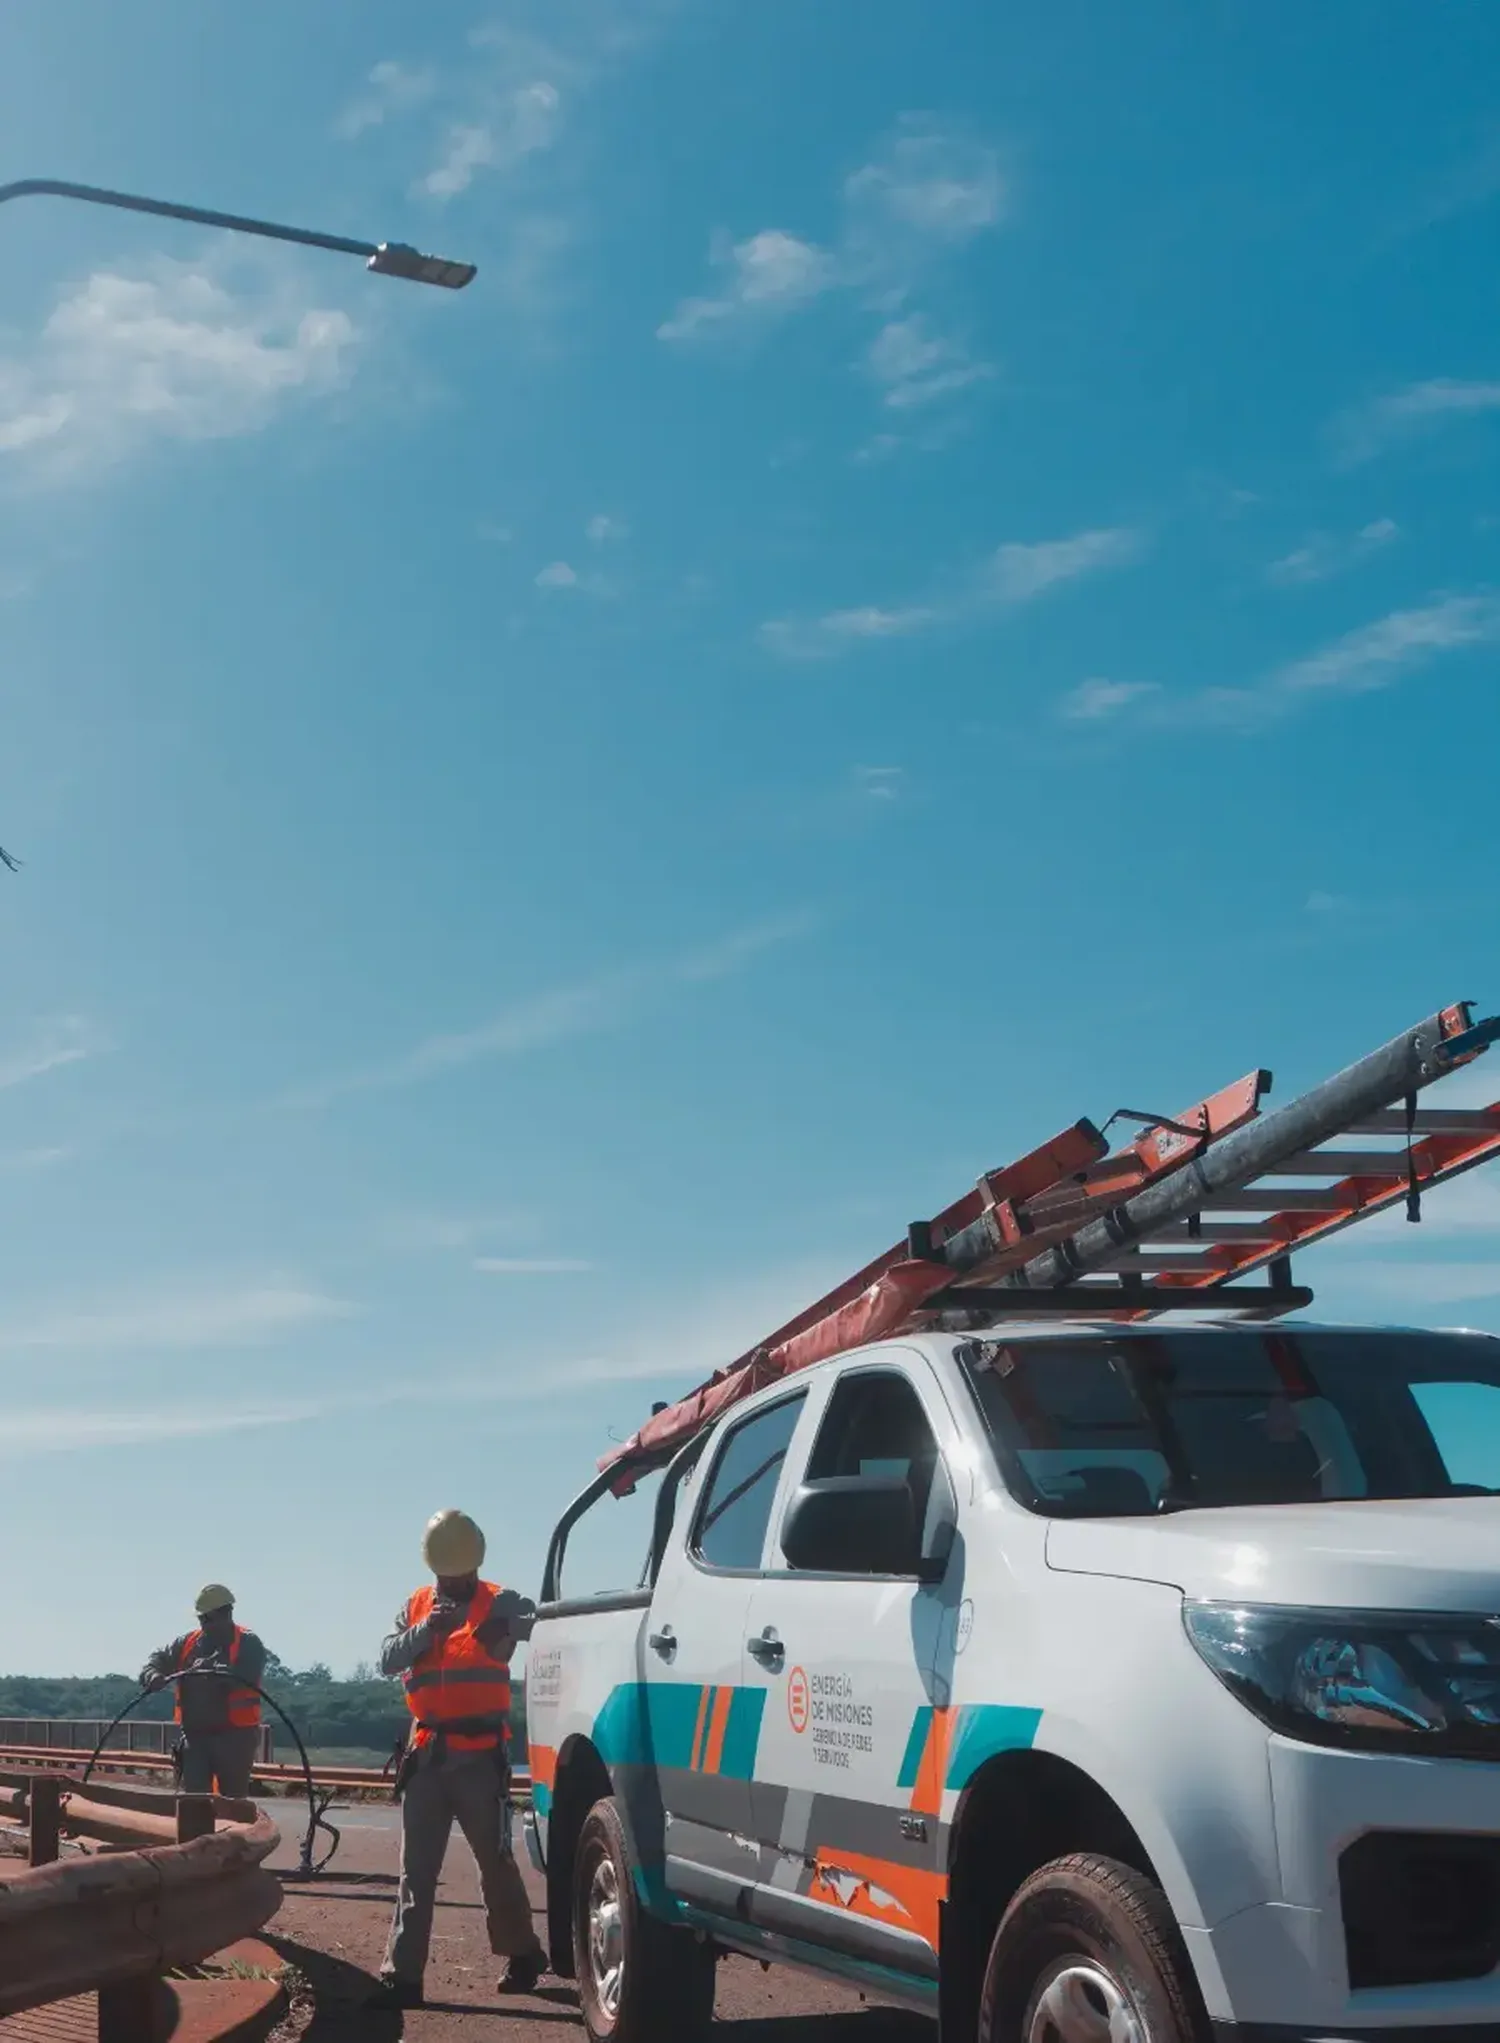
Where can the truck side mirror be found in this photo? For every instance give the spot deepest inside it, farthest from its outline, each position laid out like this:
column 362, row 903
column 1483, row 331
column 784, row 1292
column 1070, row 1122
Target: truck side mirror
column 853, row 1525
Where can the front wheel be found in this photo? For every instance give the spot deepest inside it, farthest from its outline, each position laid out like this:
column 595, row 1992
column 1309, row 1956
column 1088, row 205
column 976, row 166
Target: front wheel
column 638, row 1981
column 1088, row 1952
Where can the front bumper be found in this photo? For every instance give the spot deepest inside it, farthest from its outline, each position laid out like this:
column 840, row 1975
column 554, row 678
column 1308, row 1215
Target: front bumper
column 1280, row 1971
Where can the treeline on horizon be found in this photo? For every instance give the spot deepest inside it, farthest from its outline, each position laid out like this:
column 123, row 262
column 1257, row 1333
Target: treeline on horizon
column 363, row 1712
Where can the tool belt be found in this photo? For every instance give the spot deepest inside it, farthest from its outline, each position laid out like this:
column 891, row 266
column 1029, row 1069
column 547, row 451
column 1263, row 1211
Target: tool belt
column 456, row 1727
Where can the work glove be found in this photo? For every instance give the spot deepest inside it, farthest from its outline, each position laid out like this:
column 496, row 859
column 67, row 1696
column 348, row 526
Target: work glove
column 444, row 1617
column 153, row 1683
column 511, row 1618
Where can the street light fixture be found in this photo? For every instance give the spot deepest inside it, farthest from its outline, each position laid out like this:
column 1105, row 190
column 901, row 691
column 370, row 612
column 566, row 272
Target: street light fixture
column 386, row 258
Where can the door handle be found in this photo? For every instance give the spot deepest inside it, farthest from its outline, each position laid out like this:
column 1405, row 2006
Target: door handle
column 664, row 1642
column 768, row 1650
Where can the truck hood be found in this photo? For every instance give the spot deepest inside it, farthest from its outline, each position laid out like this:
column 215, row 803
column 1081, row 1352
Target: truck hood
column 1439, row 1553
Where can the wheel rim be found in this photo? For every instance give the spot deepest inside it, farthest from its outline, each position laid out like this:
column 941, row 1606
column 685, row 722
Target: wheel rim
column 606, row 1939
column 1082, row 2004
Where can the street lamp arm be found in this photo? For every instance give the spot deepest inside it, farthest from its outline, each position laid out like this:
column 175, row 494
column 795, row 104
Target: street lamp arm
column 393, row 259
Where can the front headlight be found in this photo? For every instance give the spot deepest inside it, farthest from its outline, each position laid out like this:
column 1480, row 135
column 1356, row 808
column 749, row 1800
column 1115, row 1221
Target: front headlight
column 1376, row 1680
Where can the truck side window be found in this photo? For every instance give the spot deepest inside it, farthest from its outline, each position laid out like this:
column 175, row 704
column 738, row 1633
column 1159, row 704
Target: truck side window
column 875, row 1425
column 736, row 1509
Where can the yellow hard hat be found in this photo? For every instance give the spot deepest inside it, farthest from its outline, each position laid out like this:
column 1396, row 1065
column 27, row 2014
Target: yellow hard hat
column 452, row 1544
column 213, row 1596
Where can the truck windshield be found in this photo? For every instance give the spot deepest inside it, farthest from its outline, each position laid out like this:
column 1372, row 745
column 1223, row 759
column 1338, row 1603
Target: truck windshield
column 1120, row 1426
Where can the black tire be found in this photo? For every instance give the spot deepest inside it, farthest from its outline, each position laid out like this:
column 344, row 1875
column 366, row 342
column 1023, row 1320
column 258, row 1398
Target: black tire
column 664, row 1987
column 1092, row 1930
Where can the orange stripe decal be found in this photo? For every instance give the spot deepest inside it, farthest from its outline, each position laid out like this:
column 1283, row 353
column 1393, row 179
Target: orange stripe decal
column 927, row 1795
column 718, row 1724
column 880, row 1890
column 697, row 1755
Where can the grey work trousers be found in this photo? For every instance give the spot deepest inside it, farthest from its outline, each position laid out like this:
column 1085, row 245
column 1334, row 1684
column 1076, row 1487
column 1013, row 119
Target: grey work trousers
column 219, row 1757
column 466, row 1788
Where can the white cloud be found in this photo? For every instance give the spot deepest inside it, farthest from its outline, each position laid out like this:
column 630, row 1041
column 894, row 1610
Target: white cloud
column 391, row 88
column 543, row 1020
column 1022, row 572
column 524, row 122
column 601, row 529
column 821, row 637
column 168, row 354
column 927, row 184
column 1016, row 573
column 1322, row 557
column 1093, row 701
column 530, row 1266
column 558, row 576
column 42, row 1158
column 1402, row 414
column 192, row 1317
column 68, row 1039
column 1378, row 654
column 768, row 274
column 68, row 1430
column 915, row 366
column 922, row 197
column 879, row 783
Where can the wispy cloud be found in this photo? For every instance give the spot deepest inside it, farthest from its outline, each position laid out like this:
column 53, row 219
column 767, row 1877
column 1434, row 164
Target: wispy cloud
column 602, row 529
column 915, row 366
column 1021, row 572
column 925, row 194
column 1374, row 656
column 390, row 89
column 1402, row 415
column 524, row 122
column 429, row 1233
column 764, row 277
column 879, row 783
column 1379, row 654
column 19, row 1161
column 531, row 1266
column 69, row 1429
column 1094, row 701
column 1016, row 573
column 1323, row 557
column 168, row 353
column 541, row 1021
column 50, row 1046
column 559, row 575
column 190, row 1316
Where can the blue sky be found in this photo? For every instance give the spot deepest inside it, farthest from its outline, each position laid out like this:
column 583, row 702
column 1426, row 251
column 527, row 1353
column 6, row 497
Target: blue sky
column 942, row 578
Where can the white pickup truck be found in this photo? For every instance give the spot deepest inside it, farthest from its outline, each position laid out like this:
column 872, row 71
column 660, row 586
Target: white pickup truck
column 1136, row 1683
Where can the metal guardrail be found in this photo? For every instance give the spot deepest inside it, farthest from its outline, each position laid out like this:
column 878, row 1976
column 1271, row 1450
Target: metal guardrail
column 288, row 1779
column 177, row 1878
column 82, row 1734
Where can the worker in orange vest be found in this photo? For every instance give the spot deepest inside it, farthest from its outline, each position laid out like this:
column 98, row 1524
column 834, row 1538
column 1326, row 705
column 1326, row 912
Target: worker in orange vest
column 452, row 1648
column 219, row 1716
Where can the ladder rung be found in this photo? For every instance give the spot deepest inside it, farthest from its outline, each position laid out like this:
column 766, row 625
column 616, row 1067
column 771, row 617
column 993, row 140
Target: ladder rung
column 1311, row 1200
column 1429, row 1121
column 1175, row 1261
column 1217, row 1231
column 1342, row 1163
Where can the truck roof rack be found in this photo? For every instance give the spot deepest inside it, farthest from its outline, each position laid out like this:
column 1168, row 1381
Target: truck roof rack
column 1165, row 1223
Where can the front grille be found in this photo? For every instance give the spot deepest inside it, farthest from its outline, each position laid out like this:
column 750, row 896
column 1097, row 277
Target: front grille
column 1420, row 1907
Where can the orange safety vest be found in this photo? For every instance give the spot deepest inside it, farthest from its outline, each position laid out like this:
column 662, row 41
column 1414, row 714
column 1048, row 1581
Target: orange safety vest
column 458, row 1689
column 244, row 1703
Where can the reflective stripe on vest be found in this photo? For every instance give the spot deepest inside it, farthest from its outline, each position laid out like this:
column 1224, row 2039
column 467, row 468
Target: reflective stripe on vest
column 457, row 1682
column 244, row 1703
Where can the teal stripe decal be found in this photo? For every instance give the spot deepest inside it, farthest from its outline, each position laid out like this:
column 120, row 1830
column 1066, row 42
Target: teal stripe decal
column 742, row 1734
column 984, row 1729
column 920, row 1726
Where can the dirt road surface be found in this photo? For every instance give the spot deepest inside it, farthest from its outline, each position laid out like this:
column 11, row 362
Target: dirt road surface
column 333, row 1930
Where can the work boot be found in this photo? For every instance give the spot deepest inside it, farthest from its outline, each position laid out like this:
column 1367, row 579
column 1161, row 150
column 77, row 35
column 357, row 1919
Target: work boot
column 522, row 1974
column 396, row 1993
